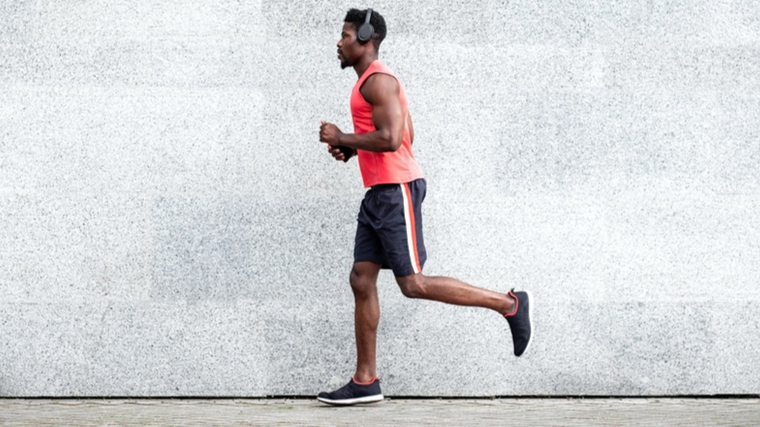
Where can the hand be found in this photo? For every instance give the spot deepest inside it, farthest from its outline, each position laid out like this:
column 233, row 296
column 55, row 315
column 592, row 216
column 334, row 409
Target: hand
column 329, row 133
column 337, row 153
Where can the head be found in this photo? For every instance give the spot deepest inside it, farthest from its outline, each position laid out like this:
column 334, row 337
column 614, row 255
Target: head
column 350, row 49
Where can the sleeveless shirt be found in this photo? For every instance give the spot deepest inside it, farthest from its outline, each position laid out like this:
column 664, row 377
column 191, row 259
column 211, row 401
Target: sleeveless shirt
column 390, row 167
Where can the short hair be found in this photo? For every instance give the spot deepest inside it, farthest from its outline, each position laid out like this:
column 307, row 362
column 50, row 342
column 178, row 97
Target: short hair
column 357, row 18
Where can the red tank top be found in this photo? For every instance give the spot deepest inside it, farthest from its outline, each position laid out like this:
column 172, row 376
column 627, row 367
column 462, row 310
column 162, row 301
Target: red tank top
column 392, row 167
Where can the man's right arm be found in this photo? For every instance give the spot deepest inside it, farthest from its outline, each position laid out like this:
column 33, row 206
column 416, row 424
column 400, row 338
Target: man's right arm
column 410, row 126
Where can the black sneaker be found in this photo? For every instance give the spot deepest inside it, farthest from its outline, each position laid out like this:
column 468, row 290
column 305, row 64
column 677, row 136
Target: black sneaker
column 353, row 393
column 521, row 321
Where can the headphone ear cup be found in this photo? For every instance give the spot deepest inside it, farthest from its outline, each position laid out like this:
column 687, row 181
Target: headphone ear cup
column 365, row 32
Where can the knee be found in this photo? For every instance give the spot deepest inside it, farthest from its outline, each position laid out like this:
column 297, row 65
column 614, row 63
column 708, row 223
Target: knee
column 361, row 284
column 412, row 286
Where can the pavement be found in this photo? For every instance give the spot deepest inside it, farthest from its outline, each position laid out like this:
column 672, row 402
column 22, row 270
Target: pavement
column 391, row 412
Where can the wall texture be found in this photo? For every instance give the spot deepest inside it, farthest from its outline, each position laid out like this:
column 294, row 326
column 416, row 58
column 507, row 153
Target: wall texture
column 170, row 224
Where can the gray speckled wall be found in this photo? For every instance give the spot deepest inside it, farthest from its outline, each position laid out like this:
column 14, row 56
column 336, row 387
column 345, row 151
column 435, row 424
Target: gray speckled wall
column 170, row 224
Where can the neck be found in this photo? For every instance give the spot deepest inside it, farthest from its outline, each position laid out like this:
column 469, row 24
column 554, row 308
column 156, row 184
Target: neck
column 364, row 63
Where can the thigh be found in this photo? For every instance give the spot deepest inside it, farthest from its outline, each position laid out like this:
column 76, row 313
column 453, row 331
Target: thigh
column 367, row 244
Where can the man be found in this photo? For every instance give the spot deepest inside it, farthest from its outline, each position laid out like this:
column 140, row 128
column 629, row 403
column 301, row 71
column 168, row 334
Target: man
column 389, row 230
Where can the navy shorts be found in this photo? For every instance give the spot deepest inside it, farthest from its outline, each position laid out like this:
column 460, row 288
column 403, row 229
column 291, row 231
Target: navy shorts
column 389, row 229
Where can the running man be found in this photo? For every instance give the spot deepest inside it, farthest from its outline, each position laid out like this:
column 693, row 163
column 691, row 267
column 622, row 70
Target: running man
column 389, row 229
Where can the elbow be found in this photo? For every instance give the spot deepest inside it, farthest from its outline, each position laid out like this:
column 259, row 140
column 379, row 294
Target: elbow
column 390, row 142
column 394, row 145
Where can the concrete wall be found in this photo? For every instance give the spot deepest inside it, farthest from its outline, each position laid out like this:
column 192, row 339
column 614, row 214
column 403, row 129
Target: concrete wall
column 170, row 224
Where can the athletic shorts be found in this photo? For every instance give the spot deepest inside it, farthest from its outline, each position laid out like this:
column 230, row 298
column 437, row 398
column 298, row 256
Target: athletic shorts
column 389, row 229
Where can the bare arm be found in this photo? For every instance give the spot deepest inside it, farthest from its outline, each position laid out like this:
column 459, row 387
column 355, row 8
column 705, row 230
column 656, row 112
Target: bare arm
column 382, row 91
column 410, row 125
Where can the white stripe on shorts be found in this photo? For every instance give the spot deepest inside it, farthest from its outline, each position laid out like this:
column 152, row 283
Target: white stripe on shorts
column 409, row 231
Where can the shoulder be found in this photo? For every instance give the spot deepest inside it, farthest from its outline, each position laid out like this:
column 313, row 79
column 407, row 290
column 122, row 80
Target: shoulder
column 378, row 86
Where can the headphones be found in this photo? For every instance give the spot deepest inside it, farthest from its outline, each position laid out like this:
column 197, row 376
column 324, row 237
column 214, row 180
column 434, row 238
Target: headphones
column 366, row 31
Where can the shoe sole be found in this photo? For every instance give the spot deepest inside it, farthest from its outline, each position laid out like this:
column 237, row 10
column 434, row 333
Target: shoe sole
column 530, row 319
column 354, row 401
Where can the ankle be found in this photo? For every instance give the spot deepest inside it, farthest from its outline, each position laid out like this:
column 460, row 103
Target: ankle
column 510, row 307
column 364, row 378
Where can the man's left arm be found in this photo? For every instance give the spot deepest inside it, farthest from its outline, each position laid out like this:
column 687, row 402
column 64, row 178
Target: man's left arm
column 382, row 92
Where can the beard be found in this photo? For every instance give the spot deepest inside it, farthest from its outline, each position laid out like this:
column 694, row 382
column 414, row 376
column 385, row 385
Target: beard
column 344, row 62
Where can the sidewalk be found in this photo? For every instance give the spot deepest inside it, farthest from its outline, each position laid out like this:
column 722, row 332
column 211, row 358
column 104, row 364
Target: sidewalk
column 391, row 412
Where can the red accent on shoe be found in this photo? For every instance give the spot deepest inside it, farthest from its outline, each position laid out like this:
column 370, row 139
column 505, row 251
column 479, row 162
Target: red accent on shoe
column 358, row 383
column 517, row 304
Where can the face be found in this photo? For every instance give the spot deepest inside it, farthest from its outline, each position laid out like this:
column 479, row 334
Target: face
column 349, row 48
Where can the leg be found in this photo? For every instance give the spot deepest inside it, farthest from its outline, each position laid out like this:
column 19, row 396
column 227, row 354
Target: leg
column 400, row 232
column 515, row 306
column 366, row 317
column 368, row 259
column 453, row 291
